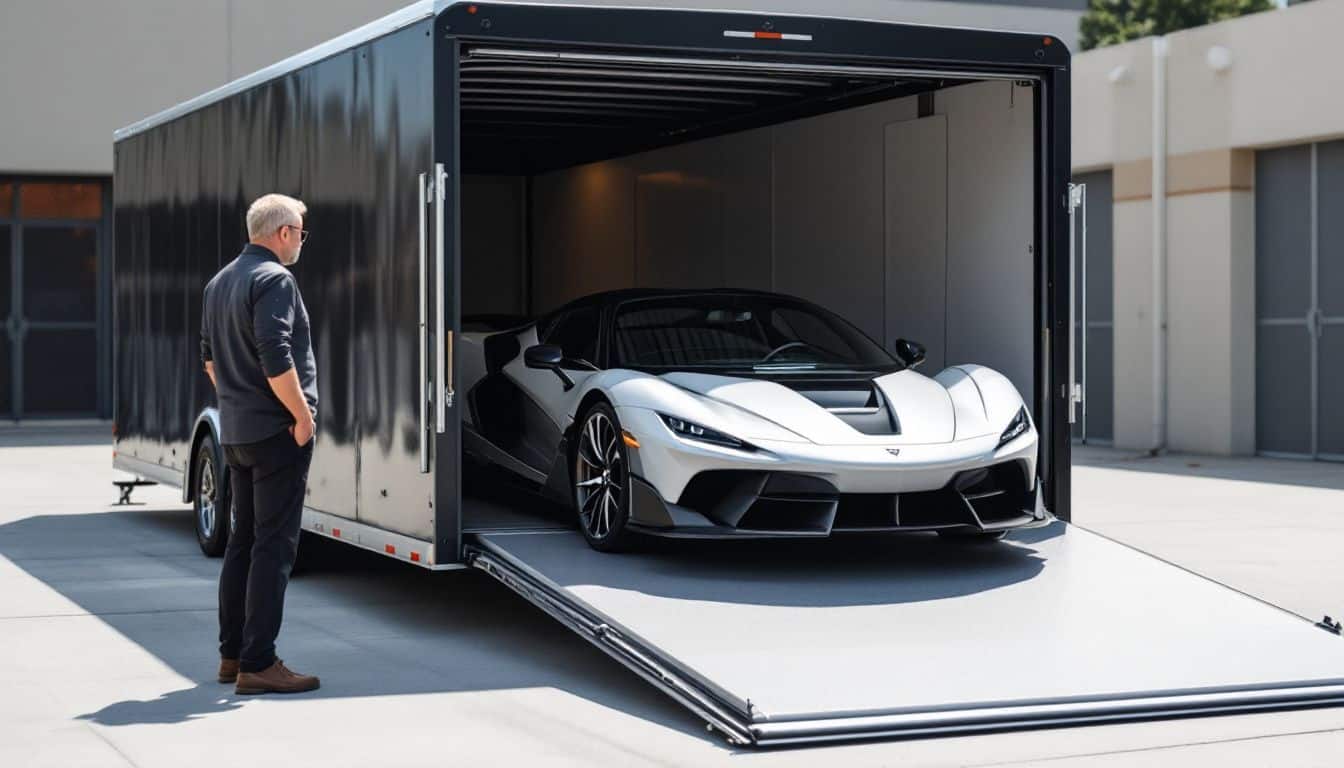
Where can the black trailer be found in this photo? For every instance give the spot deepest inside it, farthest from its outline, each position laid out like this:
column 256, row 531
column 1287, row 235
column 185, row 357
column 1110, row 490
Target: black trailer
column 493, row 158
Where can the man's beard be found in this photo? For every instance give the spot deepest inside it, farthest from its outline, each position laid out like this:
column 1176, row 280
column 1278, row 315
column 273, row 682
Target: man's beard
column 293, row 259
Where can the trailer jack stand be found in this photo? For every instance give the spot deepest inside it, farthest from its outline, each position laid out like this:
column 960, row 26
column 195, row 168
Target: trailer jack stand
column 126, row 486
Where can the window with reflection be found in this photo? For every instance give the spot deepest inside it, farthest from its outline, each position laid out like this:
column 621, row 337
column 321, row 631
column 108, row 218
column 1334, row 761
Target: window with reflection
column 60, row 273
column 60, row 200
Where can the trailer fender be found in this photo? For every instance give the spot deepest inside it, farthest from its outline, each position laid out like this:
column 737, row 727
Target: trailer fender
column 207, row 423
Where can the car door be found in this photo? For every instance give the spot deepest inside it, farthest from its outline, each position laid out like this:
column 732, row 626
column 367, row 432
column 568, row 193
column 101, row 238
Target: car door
column 576, row 332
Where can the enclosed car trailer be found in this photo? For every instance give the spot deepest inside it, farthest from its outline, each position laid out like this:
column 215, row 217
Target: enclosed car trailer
column 493, row 159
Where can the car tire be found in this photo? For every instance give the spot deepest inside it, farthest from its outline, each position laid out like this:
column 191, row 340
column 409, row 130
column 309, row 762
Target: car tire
column 601, row 480
column 209, row 496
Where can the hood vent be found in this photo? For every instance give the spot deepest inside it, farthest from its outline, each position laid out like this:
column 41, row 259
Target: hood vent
column 859, row 404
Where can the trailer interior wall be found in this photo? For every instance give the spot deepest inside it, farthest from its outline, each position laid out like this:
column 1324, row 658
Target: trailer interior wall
column 916, row 227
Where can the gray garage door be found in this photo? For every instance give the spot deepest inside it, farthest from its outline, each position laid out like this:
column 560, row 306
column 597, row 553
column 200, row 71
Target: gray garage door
column 1299, row 292
column 1095, row 358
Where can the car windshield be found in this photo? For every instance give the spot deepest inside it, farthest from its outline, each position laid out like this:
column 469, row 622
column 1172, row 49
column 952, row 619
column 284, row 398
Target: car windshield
column 740, row 331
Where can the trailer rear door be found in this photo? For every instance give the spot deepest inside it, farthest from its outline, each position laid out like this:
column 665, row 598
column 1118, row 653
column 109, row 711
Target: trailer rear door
column 782, row 642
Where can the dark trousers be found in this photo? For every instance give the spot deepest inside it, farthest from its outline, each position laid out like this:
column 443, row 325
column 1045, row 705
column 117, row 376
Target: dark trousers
column 267, row 480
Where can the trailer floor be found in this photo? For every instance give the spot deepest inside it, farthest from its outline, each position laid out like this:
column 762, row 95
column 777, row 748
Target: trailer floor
column 107, row 648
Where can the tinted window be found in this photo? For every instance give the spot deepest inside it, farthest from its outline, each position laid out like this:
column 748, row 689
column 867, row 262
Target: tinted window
column 743, row 331
column 575, row 332
column 814, row 332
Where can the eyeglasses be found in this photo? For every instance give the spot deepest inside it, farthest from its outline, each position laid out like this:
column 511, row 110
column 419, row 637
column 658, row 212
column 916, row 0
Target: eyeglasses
column 303, row 233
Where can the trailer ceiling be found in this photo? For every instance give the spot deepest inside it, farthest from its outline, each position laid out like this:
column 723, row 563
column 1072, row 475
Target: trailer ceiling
column 531, row 110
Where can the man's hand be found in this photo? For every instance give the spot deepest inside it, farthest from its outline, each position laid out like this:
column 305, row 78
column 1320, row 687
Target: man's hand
column 303, row 431
column 210, row 371
column 286, row 388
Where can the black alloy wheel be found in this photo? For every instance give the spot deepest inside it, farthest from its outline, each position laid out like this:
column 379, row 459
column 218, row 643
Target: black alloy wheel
column 602, row 480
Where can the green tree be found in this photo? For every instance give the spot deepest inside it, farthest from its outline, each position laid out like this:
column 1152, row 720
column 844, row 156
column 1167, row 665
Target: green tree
column 1108, row 22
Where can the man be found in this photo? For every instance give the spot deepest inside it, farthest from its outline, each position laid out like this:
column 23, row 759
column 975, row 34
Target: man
column 258, row 355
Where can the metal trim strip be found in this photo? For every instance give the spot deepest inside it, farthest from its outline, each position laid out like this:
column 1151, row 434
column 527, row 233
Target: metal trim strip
column 746, row 65
column 1046, row 713
column 642, row 662
column 375, row 539
column 148, row 469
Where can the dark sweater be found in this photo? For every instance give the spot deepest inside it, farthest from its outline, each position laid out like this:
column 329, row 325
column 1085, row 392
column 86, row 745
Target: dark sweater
column 254, row 327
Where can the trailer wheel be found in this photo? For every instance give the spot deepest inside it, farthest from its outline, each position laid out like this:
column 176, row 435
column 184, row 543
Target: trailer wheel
column 209, row 497
column 602, row 480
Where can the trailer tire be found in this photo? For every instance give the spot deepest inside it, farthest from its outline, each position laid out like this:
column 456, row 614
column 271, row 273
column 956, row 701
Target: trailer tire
column 601, row 480
column 209, row 495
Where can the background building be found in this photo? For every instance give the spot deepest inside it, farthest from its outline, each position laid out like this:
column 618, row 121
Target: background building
column 72, row 72
column 1216, row 295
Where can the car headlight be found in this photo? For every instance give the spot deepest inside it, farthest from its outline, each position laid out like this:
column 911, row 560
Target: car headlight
column 1016, row 427
column 692, row 431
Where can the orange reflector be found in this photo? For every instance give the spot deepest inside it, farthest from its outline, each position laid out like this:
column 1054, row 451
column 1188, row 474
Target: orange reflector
column 629, row 439
column 769, row 35
column 471, row 9
column 391, row 550
column 415, row 557
column 336, row 532
column 1049, row 41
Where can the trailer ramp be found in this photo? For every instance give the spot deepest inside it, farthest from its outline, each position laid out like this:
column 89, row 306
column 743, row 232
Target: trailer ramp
column 789, row 642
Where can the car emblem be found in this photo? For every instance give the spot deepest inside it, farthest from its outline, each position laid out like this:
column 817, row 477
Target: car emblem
column 894, row 451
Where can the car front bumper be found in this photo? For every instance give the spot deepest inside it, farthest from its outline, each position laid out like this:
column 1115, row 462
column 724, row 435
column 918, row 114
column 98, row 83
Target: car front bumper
column 687, row 488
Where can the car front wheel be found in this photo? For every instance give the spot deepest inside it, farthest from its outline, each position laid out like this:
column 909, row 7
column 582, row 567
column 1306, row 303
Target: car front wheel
column 602, row 480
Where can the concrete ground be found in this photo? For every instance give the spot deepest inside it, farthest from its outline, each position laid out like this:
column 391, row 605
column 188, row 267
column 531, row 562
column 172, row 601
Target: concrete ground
column 107, row 649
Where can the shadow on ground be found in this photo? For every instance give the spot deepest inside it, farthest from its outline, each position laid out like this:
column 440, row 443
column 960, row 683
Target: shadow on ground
column 367, row 625
column 371, row 626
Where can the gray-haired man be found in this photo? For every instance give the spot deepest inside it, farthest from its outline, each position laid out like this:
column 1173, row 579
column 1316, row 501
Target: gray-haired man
column 257, row 353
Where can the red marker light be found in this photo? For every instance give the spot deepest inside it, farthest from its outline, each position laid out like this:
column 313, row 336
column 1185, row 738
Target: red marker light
column 1049, row 41
column 471, row 9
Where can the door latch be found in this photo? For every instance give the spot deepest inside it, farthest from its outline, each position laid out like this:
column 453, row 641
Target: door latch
column 1315, row 322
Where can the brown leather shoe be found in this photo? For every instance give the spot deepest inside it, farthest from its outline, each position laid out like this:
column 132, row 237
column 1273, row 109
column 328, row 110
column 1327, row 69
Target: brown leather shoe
column 228, row 670
column 276, row 678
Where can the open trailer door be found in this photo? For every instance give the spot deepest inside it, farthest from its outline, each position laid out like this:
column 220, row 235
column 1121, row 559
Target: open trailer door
column 609, row 127
column 781, row 643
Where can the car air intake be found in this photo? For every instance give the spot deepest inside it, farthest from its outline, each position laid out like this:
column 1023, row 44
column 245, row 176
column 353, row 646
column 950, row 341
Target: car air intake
column 997, row 493
column 859, row 404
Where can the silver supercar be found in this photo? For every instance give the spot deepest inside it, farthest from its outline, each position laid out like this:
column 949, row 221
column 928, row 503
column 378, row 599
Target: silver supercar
column 734, row 413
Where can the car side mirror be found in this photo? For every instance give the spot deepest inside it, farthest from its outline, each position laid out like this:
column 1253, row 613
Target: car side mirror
column 909, row 352
column 548, row 357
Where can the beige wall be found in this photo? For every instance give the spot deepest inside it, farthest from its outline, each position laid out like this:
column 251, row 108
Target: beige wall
column 1273, row 93
column 72, row 71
